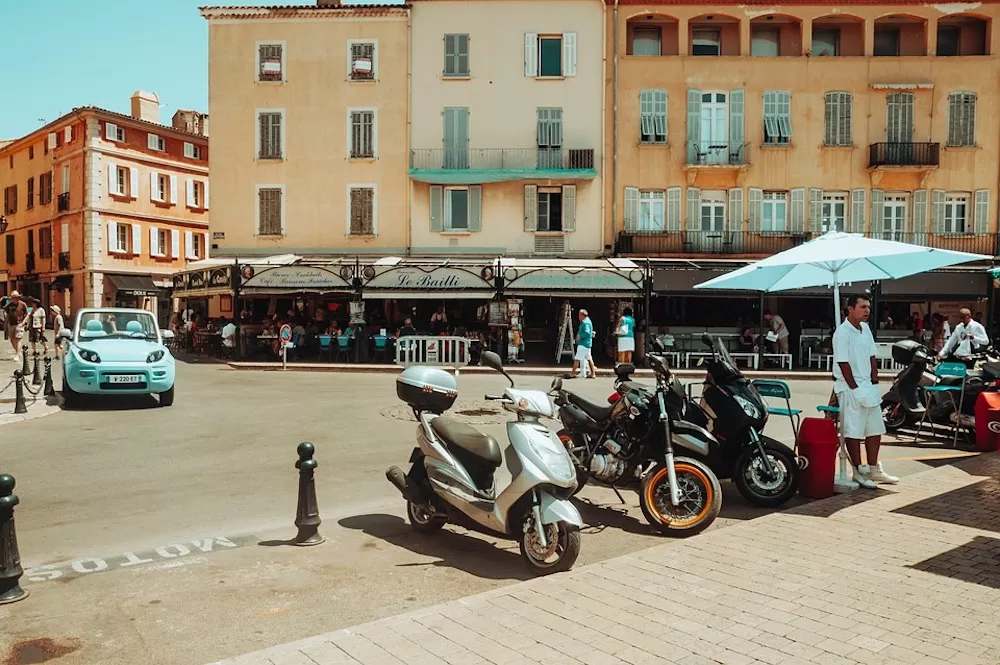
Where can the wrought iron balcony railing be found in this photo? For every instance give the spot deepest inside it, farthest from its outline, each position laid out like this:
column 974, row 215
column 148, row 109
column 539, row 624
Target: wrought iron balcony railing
column 503, row 159
column 904, row 154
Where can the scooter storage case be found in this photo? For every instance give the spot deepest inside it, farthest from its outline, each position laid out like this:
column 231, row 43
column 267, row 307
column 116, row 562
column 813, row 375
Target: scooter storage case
column 904, row 351
column 427, row 388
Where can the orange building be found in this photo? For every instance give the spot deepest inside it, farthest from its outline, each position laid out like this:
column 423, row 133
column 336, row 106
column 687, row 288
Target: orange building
column 102, row 208
column 744, row 127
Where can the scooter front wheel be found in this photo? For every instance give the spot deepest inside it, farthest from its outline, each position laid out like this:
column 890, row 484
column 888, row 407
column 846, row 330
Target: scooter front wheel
column 768, row 490
column 700, row 498
column 423, row 519
column 560, row 551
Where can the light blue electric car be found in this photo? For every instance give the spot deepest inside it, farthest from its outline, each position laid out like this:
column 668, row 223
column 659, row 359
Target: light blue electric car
column 116, row 351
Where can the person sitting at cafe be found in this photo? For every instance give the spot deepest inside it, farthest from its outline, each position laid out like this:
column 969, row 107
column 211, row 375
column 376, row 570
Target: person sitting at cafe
column 747, row 341
column 228, row 333
column 407, row 329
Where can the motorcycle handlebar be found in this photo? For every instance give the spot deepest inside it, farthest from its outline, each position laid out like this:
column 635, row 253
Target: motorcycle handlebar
column 493, row 398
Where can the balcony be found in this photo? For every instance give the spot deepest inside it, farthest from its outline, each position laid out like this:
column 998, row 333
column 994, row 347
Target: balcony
column 975, row 243
column 673, row 243
column 484, row 165
column 706, row 158
column 63, row 260
column 919, row 155
column 62, row 203
column 29, row 262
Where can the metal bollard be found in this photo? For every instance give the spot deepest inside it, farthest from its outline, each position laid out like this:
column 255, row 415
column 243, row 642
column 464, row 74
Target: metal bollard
column 50, row 390
column 307, row 511
column 19, row 405
column 10, row 559
column 36, row 377
column 25, row 369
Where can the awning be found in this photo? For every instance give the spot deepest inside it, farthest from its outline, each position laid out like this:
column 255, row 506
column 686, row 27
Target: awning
column 136, row 285
column 476, row 294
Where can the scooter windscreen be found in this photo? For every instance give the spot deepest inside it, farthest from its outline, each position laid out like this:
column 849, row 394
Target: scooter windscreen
column 723, row 368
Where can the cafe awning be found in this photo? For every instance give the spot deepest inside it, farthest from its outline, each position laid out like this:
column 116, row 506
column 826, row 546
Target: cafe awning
column 136, row 285
column 584, row 278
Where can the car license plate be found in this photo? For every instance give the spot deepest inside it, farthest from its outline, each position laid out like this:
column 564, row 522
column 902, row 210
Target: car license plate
column 125, row 378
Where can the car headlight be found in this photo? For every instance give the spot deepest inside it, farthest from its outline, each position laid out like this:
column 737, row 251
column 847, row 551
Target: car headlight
column 554, row 456
column 88, row 355
column 155, row 356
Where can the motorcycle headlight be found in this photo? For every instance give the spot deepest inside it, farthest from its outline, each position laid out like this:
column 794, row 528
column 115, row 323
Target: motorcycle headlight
column 747, row 407
column 555, row 457
column 88, row 355
column 155, row 356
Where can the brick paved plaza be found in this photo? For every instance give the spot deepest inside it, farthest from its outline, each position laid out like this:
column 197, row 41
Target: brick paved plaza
column 909, row 575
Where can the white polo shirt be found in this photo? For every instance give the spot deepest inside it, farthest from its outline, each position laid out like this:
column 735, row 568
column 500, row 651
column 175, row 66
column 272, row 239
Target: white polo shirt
column 855, row 347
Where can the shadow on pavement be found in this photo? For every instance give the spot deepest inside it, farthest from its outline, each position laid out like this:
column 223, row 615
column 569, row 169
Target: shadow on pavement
column 112, row 403
column 976, row 506
column 831, row 506
column 453, row 549
column 974, row 562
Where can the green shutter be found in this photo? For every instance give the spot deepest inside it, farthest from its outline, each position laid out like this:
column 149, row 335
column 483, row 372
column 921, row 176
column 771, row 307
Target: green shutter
column 475, row 208
column 569, row 208
column 693, row 125
column 437, row 208
column 530, row 208
column 736, row 133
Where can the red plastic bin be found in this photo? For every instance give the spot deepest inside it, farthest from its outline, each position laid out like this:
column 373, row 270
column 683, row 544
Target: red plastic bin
column 818, row 442
column 988, row 421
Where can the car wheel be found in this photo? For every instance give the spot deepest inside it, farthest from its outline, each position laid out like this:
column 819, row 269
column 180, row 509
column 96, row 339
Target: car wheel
column 167, row 398
column 70, row 397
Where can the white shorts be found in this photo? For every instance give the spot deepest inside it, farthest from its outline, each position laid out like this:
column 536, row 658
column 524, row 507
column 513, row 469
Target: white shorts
column 583, row 353
column 859, row 422
column 626, row 344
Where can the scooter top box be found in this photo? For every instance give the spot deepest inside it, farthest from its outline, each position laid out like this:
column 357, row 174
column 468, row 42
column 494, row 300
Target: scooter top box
column 427, row 388
column 905, row 350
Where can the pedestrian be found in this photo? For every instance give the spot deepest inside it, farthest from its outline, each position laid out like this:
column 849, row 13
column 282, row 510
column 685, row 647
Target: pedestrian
column 625, row 330
column 968, row 338
column 779, row 330
column 38, row 327
column 16, row 319
column 583, row 360
column 57, row 325
column 855, row 373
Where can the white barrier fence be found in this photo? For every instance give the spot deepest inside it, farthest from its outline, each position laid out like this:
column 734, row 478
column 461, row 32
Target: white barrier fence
column 450, row 352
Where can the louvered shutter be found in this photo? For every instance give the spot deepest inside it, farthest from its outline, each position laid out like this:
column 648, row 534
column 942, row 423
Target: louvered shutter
column 436, row 208
column 175, row 242
column 878, row 212
column 154, row 242
column 569, row 54
column 756, row 212
column 736, row 130
column 137, row 239
column 631, row 209
column 920, row 216
column 530, row 208
column 475, row 208
column 154, row 187
column 531, row 54
column 112, row 236
column 736, row 210
column 133, row 182
column 857, row 211
column 673, row 212
column 982, row 215
column 798, row 210
column 569, row 208
column 693, row 209
column 937, row 211
column 693, row 125
column 816, row 209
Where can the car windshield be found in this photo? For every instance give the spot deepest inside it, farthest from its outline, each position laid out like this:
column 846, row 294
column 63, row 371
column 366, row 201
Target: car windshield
column 116, row 325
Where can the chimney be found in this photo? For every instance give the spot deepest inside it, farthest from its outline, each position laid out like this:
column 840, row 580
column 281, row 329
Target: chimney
column 146, row 106
column 192, row 122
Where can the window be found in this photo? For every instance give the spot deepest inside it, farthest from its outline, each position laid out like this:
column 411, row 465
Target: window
column 899, row 119
column 362, row 210
column 120, row 183
column 271, row 135
column 651, row 210
column 653, row 116
column 362, row 61
column 45, row 188
column 155, row 142
column 962, row 119
column 159, row 185
column 837, row 118
column 777, row 117
column 886, row 41
column 706, row 42
column 270, row 211
column 118, row 237
column 45, row 242
column 834, row 212
column 456, row 55
column 774, row 212
column 196, row 245
column 197, row 194
column 894, row 216
column 826, row 42
column 192, row 151
column 550, row 55
column 10, row 200
column 456, row 209
column 113, row 132
column 948, row 40
column 31, row 152
column 271, row 61
column 956, row 213
column 647, row 41
column 362, row 134
column 764, row 42
column 31, row 193
column 550, row 205
column 10, row 249
column 161, row 242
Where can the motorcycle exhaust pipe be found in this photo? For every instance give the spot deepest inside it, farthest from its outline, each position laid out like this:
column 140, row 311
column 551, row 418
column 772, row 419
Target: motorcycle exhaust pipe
column 396, row 476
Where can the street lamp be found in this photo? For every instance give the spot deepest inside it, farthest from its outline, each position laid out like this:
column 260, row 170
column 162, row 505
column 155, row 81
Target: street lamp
column 3, row 224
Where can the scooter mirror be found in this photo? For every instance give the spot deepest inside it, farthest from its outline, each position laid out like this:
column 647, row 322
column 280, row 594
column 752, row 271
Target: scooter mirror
column 557, row 383
column 492, row 360
column 707, row 339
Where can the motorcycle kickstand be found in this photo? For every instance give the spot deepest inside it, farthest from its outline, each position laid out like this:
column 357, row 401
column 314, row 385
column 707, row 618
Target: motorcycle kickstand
column 618, row 494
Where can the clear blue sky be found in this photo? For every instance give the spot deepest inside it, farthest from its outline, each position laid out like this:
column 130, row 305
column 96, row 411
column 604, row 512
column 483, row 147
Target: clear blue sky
column 67, row 53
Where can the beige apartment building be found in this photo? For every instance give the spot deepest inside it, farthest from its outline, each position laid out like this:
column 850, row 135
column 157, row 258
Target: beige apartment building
column 102, row 208
column 506, row 127
column 309, row 107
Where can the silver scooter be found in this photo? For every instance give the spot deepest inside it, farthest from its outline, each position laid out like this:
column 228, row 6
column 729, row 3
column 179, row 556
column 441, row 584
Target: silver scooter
column 452, row 471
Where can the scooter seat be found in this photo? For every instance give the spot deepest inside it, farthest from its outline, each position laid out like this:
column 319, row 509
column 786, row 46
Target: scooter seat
column 456, row 433
column 596, row 411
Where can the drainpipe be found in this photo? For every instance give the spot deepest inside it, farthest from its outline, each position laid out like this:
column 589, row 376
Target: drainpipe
column 614, row 137
column 604, row 125
column 409, row 131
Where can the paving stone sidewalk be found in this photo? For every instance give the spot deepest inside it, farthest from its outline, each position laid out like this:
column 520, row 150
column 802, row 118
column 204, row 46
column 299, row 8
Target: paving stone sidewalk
column 908, row 575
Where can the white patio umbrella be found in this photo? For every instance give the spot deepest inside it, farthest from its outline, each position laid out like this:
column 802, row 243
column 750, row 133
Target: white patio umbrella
column 833, row 259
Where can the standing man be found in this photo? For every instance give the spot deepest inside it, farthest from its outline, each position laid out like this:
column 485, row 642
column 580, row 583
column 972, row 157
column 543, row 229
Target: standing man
column 57, row 324
column 855, row 373
column 16, row 321
column 778, row 327
column 584, row 358
column 968, row 335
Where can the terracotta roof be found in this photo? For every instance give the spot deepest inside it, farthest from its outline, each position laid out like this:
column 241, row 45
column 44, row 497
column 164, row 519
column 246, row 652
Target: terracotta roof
column 789, row 3
column 285, row 11
column 126, row 117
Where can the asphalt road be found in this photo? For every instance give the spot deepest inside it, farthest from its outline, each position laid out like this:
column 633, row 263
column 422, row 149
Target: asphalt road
column 155, row 535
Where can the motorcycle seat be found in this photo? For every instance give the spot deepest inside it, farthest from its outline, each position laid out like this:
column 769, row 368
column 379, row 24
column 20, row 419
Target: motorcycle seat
column 596, row 411
column 461, row 435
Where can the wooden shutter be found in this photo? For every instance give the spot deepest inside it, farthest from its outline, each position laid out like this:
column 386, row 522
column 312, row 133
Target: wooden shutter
column 569, row 54
column 204, row 236
column 112, row 179
column 693, row 125
column 816, row 209
column 982, row 214
column 112, row 236
column 531, row 54
column 175, row 242
column 189, row 187
column 736, row 209
column 152, row 141
column 64, row 237
column 530, row 208
column 920, row 216
column 154, row 241
column 693, row 208
column 878, row 212
column 798, row 207
column 899, row 118
column 110, row 131
column 189, row 245
column 736, row 132
column 51, row 140
column 673, row 212
column 133, row 182
column 475, row 208
column 154, row 187
column 436, row 208
column 756, row 212
column 173, row 190
column 569, row 208
column 962, row 119
column 137, row 239
column 631, row 209
column 857, row 223
column 204, row 195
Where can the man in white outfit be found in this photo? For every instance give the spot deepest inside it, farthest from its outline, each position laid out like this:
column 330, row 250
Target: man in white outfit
column 855, row 373
column 968, row 335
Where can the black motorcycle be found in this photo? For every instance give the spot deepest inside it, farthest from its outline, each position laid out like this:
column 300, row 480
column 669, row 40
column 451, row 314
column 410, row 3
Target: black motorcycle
column 765, row 471
column 632, row 443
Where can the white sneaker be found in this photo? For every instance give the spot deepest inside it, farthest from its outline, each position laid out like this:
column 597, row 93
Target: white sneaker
column 17, row 359
column 878, row 474
column 862, row 478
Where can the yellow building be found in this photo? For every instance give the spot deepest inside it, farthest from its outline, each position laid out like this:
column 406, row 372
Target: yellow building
column 309, row 109
column 101, row 208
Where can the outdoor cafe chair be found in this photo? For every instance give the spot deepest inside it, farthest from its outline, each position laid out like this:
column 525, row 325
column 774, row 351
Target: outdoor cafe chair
column 326, row 347
column 381, row 347
column 343, row 348
column 941, row 371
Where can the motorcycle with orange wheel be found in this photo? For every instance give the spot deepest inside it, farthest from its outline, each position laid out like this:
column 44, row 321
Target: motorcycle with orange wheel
column 631, row 443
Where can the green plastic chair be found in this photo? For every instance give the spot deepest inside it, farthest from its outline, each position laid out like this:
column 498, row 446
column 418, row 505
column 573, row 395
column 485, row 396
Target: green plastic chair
column 779, row 390
column 945, row 370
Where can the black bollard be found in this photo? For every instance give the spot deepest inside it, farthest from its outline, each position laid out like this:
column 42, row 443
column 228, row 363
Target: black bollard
column 25, row 369
column 19, row 405
column 36, row 378
column 10, row 558
column 307, row 511
column 50, row 390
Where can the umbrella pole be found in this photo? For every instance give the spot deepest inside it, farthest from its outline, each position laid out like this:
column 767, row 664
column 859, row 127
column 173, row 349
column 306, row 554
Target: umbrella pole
column 842, row 483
